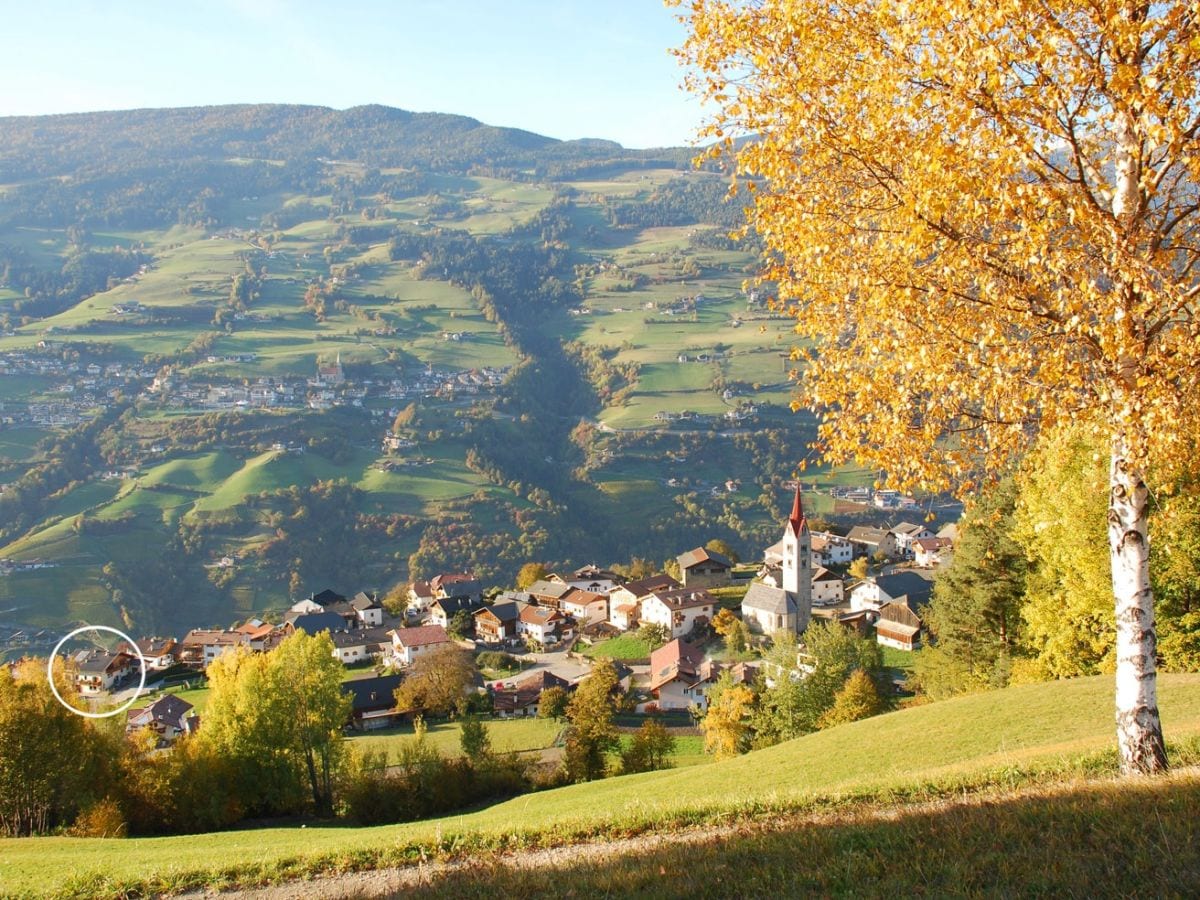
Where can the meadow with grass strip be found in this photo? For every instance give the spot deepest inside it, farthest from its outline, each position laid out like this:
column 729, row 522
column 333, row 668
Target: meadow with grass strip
column 1020, row 735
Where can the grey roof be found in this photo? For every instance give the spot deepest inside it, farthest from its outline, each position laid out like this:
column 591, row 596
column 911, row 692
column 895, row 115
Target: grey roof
column 553, row 589
column 326, row 597
column 452, row 605
column 315, row 623
column 900, row 583
column 372, row 693
column 167, row 709
column 769, row 599
column 507, row 611
column 98, row 662
column 363, row 601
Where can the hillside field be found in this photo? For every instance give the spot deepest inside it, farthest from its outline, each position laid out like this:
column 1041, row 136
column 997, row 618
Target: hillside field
column 995, row 741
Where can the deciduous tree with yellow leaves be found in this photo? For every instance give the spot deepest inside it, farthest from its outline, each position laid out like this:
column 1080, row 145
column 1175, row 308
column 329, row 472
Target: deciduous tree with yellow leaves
column 986, row 218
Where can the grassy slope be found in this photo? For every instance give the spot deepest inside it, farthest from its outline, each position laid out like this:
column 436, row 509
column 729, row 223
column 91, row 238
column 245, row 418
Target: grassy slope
column 988, row 737
column 507, row 735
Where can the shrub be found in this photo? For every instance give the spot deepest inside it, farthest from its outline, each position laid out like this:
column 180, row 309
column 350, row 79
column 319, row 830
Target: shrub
column 103, row 819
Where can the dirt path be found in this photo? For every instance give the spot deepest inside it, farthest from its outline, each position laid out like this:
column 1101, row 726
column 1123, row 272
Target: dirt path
column 391, row 882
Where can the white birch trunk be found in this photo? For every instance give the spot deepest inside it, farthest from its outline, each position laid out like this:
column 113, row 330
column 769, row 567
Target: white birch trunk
column 1139, row 731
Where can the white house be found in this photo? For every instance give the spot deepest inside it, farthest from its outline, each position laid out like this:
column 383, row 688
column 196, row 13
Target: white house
column 828, row 589
column 906, row 533
column 541, row 623
column 409, row 643
column 830, row 549
column 678, row 611
column 100, row 671
column 873, row 593
column 585, row 606
column 368, row 609
column 934, row 551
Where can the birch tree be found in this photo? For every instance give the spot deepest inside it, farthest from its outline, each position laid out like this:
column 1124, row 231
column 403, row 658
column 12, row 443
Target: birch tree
column 983, row 217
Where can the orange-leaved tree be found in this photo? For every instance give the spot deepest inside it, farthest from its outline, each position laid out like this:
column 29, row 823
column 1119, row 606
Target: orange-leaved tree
column 986, row 218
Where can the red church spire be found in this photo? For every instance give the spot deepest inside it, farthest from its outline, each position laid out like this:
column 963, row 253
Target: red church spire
column 796, row 519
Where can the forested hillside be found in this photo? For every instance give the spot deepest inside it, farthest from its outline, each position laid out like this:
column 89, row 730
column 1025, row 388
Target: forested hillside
column 249, row 352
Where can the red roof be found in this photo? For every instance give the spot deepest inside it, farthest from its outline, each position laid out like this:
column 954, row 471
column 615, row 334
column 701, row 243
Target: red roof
column 796, row 519
column 421, row 636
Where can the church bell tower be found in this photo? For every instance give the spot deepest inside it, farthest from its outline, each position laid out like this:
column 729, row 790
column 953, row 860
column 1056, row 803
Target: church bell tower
column 797, row 562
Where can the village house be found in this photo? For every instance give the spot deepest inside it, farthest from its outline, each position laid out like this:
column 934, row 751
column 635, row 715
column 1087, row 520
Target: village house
column 594, row 579
column 704, row 568
column 441, row 611
column 420, row 596
column 453, row 585
column 828, row 589
column 368, row 609
column 898, row 626
column 314, row 623
column 521, row 698
column 906, row 533
column 409, row 643
column 680, row 676
column 168, row 717
column 159, row 653
column 200, row 647
column 868, row 541
column 99, row 671
column 373, row 702
column 873, row 593
column 497, row 623
column 679, row 611
column 260, row 636
column 548, row 592
column 831, row 549
column 624, row 616
column 542, row 625
column 931, row 552
column 635, row 591
column 585, row 607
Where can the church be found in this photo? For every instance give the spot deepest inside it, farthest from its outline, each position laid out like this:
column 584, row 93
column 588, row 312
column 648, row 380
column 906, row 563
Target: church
column 767, row 609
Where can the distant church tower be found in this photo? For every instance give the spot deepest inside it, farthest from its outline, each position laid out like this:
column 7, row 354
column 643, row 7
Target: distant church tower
column 797, row 562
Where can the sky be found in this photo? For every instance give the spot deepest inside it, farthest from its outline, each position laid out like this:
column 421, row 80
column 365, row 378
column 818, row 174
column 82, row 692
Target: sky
column 567, row 69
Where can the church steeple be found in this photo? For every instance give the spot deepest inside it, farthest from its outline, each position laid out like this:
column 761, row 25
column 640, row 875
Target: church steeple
column 797, row 521
column 797, row 561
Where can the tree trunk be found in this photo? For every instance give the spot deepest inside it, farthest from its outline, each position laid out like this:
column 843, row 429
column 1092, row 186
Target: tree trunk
column 1139, row 731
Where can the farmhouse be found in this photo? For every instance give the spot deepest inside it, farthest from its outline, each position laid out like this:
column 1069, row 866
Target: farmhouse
column 367, row 608
column 934, row 551
column 497, row 623
column 680, row 676
column 868, row 541
column 585, row 607
column 159, row 653
column 374, row 702
column 541, row 624
column 704, row 568
column 906, row 533
column 873, row 593
column 828, row 589
column 455, row 585
column 638, row 590
column 831, row 549
column 679, row 611
column 409, row 643
column 168, row 717
column 99, row 671
column 201, row 647
column 521, row 698
column 441, row 611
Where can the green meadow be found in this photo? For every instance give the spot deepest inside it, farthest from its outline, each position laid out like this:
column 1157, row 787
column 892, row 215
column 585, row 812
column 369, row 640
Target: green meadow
column 1022, row 735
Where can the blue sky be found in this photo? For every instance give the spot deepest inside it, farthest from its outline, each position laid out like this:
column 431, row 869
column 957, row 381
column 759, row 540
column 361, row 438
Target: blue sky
column 568, row 69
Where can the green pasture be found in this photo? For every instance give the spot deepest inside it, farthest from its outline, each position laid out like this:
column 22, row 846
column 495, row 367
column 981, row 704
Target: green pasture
column 507, row 736
column 997, row 738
